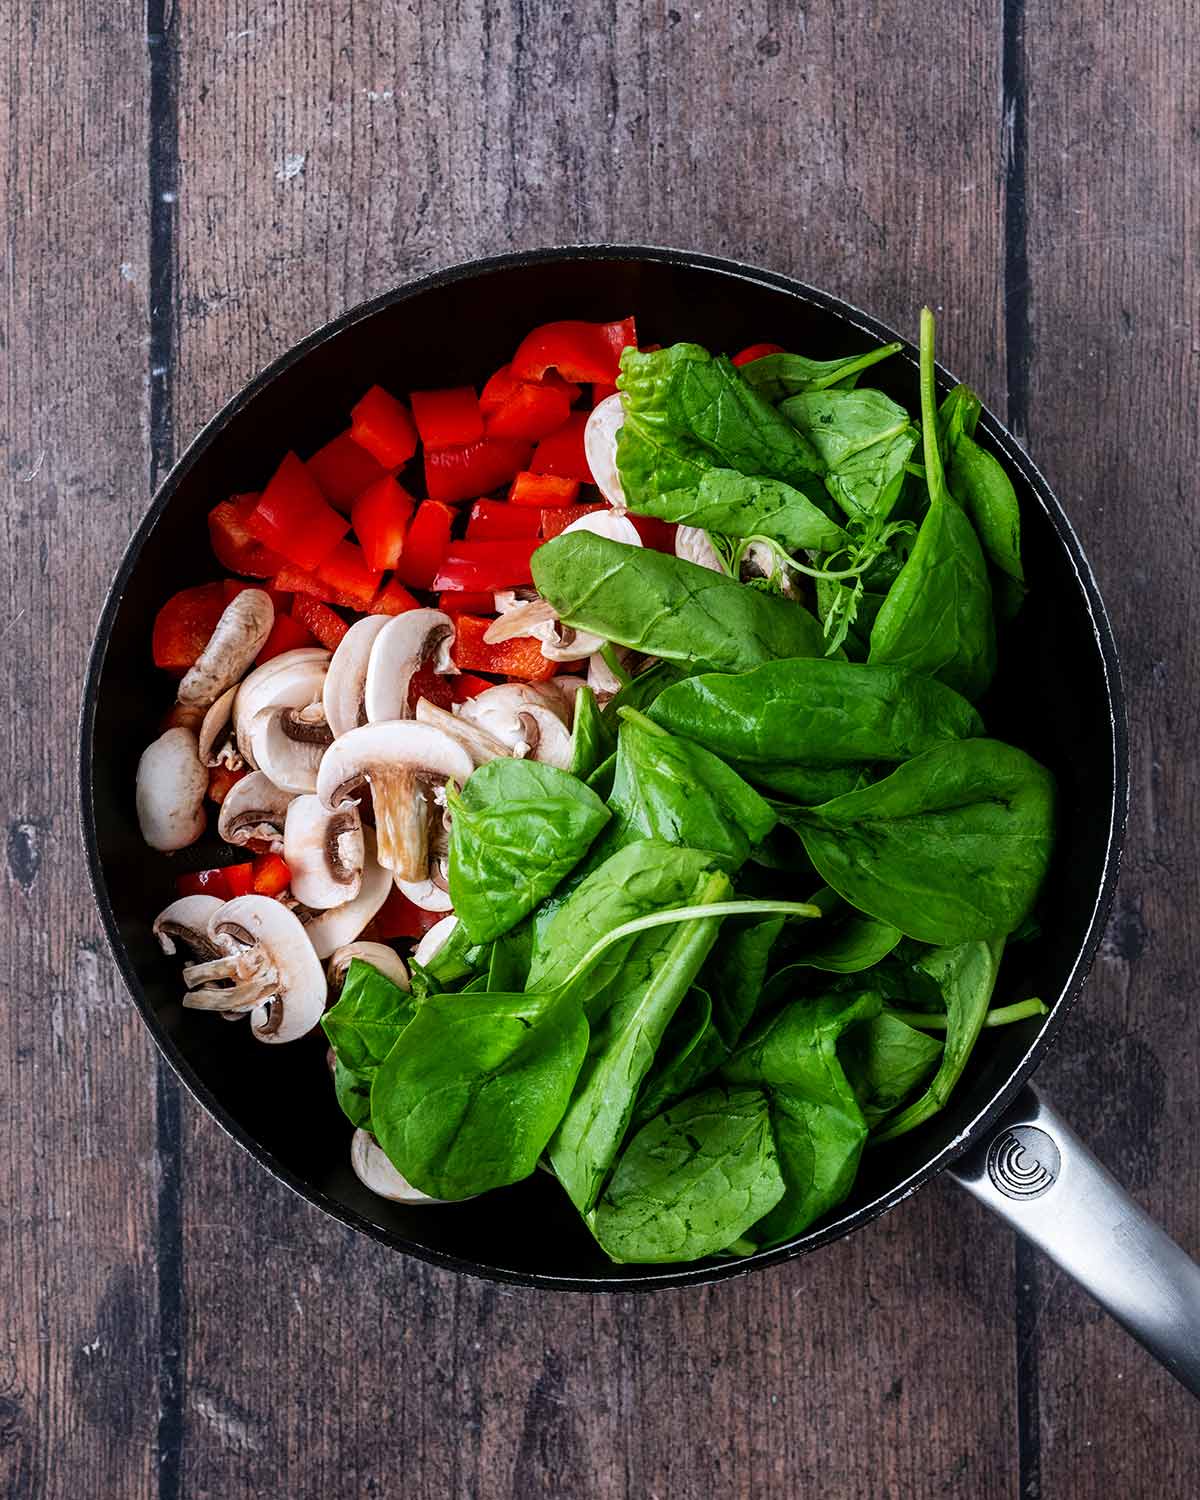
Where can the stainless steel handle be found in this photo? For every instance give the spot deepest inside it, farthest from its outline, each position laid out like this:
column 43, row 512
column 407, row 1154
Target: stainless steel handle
column 1036, row 1173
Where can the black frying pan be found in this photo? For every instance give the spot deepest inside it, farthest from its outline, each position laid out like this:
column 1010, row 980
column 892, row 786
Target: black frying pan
column 1057, row 694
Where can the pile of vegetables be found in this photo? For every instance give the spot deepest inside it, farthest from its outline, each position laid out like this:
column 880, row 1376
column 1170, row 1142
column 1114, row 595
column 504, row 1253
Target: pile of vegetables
column 749, row 916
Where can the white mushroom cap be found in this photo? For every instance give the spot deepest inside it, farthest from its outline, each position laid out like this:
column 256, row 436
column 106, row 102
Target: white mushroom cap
column 402, row 760
column 378, row 955
column 240, row 633
column 427, row 894
column 171, row 783
column 375, row 1171
column 186, row 921
column 272, row 969
column 530, row 722
column 434, row 940
column 254, row 808
column 216, row 720
column 344, row 693
column 694, row 545
column 613, row 524
column 293, row 679
column 288, row 744
column 601, row 678
column 478, row 744
column 538, row 619
column 323, row 850
column 400, row 649
column 332, row 929
column 600, row 446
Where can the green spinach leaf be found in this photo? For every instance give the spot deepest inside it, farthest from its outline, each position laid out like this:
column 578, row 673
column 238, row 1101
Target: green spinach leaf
column 591, row 738
column 864, row 439
column 885, row 1060
column 736, row 970
column 846, row 941
column 362, row 1029
column 777, row 376
column 984, row 490
column 690, row 1049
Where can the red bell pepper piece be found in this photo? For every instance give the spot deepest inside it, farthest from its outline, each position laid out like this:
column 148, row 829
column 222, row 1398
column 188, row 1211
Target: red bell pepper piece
column 393, row 599
column 519, row 657
column 380, row 516
column 447, row 418
column 601, row 392
column 235, row 547
column 221, row 778
column 321, row 620
column 475, row 469
column 546, row 490
column 428, row 683
column 493, row 520
column 287, row 634
column 296, row 581
column 756, row 351
column 531, row 411
column 346, row 571
column 270, row 875
column 399, row 917
column 464, row 602
column 292, row 516
column 578, row 351
column 343, row 470
column 224, row 883
column 503, row 385
column 183, row 625
column 562, row 453
column 384, row 427
column 487, row 565
column 426, row 544
column 658, row 535
column 235, row 586
column 557, row 520
column 466, row 685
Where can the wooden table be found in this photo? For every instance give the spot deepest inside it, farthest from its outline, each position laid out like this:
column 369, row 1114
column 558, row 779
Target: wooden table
column 191, row 189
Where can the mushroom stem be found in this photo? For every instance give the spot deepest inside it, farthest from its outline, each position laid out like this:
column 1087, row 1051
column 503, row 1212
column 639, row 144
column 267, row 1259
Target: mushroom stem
column 254, row 979
column 401, row 822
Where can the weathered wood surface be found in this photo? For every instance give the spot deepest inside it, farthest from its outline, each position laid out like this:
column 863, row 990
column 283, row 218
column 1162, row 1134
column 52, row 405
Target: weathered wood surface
column 174, row 1323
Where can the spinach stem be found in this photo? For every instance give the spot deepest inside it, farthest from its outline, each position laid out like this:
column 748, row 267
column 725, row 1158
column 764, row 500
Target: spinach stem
column 636, row 717
column 613, row 663
column 935, row 478
column 1003, row 1015
column 855, row 367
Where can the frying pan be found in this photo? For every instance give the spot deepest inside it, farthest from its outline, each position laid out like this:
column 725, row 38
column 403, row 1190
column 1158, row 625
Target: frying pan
column 1057, row 694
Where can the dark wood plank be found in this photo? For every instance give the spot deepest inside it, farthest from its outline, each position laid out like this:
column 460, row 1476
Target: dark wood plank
column 78, row 1346
column 1112, row 417
column 320, row 164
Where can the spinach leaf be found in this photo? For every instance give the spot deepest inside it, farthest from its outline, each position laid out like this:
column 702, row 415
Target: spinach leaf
column 885, row 1060
column 985, row 492
column 508, row 963
column 690, row 1049
column 669, row 608
column 816, row 1121
column 519, row 826
column 958, row 414
column 677, row 791
column 469, row 1098
column 641, row 692
column 692, row 1181
column 591, row 739
column 966, row 975
column 864, row 439
column 735, row 971
column 952, row 846
column 601, row 779
column 846, row 941
column 807, row 728
column 778, row 376
column 362, row 1029
column 457, row 958
column 627, row 1024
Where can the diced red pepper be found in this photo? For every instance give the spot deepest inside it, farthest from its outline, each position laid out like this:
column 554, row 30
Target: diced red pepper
column 464, row 602
column 601, row 392
column 556, row 520
column 399, row 917
column 531, row 411
column 343, row 470
column 658, row 535
column 346, row 571
column 292, row 516
column 235, row 586
column 578, row 351
column 562, row 453
column 487, row 565
column 494, row 520
column 296, row 581
column 271, row 876
column 756, row 351
column 380, row 516
column 475, row 469
column 183, row 625
column 543, row 490
column 224, row 883
column 466, row 685
column 221, row 778
column 425, row 682
column 447, row 418
column 519, row 657
column 384, row 427
column 287, row 634
column 235, row 546
column 393, row 599
column 426, row 544
column 321, row 620
column 504, row 384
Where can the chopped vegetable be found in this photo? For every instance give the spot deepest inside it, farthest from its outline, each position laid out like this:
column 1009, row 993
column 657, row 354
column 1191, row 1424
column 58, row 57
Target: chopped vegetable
column 235, row 546
column 755, row 351
column 578, row 351
column 345, row 570
column 493, row 520
column 344, row 469
column 293, row 518
column 561, row 453
column 530, row 411
column 271, row 875
column 543, row 490
column 384, row 427
column 221, row 778
column 287, row 634
column 487, row 565
column 393, row 599
column 474, row 469
column 448, row 418
column 183, row 625
column 519, row 657
column 465, row 602
column 224, row 883
column 320, row 620
column 426, row 544
column 557, row 519
column 380, row 516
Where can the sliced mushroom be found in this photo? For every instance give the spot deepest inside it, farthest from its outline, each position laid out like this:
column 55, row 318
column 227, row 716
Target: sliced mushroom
column 694, row 545
column 434, row 941
column 602, row 680
column 539, row 619
column 238, row 638
column 613, row 524
column 216, row 745
column 323, row 850
column 378, row 955
column 375, row 1171
column 186, row 921
column 294, row 679
column 478, row 744
column 761, row 560
column 530, row 722
column 431, row 894
column 288, row 744
column 402, row 761
column 401, row 648
column 269, row 967
column 344, row 693
column 254, row 808
column 333, row 929
column 171, row 783
column 600, row 446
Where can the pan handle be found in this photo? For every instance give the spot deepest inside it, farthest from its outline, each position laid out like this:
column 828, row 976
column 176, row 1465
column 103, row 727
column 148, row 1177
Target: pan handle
column 1035, row 1172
